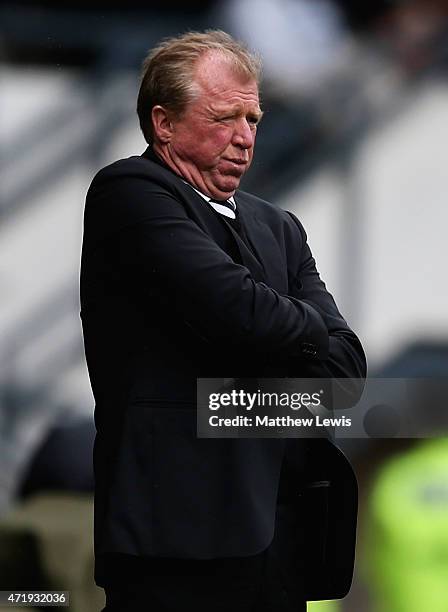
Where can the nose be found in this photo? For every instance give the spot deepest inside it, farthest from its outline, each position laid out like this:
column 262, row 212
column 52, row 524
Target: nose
column 244, row 134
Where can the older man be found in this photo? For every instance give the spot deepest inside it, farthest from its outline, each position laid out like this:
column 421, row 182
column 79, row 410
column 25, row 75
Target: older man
column 183, row 276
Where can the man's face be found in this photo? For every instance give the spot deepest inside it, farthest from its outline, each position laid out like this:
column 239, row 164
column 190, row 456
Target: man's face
column 212, row 143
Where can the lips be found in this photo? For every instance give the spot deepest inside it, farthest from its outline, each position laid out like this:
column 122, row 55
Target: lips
column 239, row 162
column 235, row 166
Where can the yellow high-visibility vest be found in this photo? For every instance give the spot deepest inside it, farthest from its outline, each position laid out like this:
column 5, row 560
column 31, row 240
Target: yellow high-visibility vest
column 407, row 533
column 323, row 606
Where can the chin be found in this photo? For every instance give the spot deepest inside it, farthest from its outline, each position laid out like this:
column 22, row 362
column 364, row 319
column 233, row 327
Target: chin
column 228, row 185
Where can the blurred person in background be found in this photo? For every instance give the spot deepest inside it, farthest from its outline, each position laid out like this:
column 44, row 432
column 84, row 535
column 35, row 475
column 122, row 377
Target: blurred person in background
column 309, row 48
column 342, row 60
column 184, row 276
column 407, row 564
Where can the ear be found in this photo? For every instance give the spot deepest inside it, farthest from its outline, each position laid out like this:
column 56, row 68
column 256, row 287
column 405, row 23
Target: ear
column 161, row 123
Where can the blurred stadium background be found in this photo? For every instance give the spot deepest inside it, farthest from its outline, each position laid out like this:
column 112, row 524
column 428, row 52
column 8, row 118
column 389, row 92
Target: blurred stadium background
column 353, row 141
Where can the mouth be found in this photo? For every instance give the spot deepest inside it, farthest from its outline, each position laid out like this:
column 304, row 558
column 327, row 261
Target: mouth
column 235, row 166
column 236, row 160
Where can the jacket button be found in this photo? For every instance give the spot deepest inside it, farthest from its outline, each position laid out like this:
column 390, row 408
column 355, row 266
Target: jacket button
column 309, row 349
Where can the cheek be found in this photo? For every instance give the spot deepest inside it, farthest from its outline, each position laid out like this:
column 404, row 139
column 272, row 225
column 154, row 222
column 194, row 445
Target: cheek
column 220, row 137
column 213, row 144
column 207, row 145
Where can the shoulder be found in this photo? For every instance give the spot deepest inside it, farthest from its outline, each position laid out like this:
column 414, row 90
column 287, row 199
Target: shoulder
column 136, row 171
column 131, row 191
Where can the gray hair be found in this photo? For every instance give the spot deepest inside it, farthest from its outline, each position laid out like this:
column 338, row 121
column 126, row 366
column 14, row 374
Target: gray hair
column 168, row 71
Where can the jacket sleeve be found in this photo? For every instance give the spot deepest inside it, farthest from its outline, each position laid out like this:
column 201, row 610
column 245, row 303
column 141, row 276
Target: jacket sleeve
column 345, row 358
column 215, row 296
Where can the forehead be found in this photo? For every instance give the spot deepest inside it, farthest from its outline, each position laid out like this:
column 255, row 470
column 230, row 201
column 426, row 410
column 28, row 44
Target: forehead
column 219, row 82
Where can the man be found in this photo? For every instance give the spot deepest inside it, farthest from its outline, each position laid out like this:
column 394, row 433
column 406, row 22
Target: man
column 183, row 276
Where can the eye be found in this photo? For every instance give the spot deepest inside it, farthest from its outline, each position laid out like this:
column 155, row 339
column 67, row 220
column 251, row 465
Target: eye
column 253, row 120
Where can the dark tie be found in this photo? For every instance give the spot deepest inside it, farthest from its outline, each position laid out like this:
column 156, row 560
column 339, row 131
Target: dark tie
column 235, row 223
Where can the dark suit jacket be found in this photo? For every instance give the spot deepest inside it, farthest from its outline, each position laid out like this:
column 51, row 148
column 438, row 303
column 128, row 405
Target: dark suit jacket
column 170, row 293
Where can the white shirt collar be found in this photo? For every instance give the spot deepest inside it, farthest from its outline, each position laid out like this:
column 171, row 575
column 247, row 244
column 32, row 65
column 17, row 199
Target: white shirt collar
column 223, row 210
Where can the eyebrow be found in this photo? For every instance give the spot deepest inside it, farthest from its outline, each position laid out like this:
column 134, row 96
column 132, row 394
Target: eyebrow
column 237, row 110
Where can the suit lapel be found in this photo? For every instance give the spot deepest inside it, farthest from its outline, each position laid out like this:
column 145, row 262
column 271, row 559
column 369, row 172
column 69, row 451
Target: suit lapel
column 265, row 247
column 215, row 225
column 249, row 256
